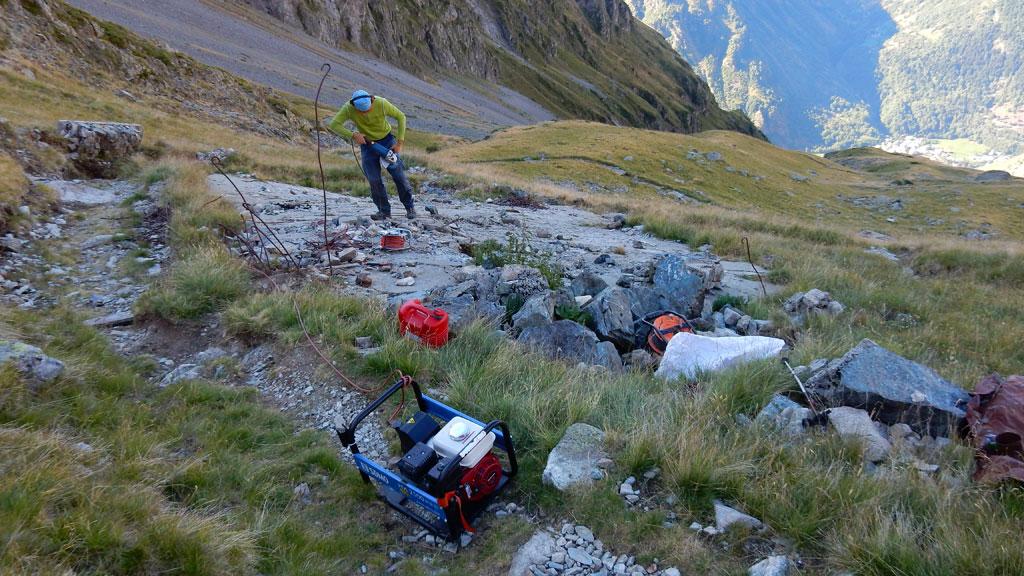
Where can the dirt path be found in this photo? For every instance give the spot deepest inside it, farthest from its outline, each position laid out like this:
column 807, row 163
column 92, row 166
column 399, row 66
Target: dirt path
column 102, row 252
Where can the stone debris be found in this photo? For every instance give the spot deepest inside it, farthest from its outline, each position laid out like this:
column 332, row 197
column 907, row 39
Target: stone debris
column 221, row 154
column 114, row 319
column 574, row 459
column 181, row 373
column 892, row 388
column 574, row 550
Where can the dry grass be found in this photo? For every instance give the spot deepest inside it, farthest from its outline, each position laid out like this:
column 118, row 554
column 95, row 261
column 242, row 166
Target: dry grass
column 575, row 160
column 14, row 188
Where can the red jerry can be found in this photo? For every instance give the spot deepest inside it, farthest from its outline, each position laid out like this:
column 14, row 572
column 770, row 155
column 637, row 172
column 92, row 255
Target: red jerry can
column 429, row 326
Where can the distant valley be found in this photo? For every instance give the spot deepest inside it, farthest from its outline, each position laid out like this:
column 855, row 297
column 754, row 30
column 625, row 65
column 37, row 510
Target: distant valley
column 941, row 78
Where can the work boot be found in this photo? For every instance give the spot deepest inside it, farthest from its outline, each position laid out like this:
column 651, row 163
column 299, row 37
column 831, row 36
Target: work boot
column 380, row 216
column 410, row 213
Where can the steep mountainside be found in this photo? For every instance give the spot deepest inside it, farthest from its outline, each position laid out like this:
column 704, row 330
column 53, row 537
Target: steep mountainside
column 781, row 62
column 578, row 58
column 834, row 73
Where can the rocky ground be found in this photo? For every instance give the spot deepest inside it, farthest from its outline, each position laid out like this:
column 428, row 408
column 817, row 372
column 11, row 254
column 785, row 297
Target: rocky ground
column 448, row 224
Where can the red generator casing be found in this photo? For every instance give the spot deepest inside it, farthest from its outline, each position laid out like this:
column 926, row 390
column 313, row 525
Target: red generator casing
column 429, row 326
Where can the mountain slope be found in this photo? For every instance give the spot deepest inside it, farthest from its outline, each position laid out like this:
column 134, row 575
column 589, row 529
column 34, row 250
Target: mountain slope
column 954, row 70
column 578, row 58
column 834, row 73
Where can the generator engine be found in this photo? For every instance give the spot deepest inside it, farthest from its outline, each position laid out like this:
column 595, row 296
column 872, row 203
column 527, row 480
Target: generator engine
column 454, row 459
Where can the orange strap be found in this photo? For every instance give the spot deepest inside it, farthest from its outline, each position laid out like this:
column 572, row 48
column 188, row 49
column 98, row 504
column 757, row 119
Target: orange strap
column 445, row 500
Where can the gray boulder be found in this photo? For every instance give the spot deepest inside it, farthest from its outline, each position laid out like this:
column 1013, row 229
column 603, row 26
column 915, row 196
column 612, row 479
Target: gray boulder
column 99, row 148
column 731, row 316
column 566, row 339
column 993, row 176
column 587, row 284
column 682, row 289
column 770, row 566
column 612, row 314
column 30, row 362
column 608, row 356
column 892, row 388
column 856, row 425
column 726, row 517
column 707, row 266
column 574, row 459
column 539, row 310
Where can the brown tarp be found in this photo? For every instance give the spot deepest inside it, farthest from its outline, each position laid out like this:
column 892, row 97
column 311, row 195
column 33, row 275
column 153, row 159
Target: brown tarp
column 995, row 425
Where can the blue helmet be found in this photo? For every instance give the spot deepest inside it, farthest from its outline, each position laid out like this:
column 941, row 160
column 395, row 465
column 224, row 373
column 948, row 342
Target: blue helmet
column 361, row 100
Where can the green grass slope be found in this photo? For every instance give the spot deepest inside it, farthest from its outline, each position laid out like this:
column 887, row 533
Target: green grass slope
column 630, row 167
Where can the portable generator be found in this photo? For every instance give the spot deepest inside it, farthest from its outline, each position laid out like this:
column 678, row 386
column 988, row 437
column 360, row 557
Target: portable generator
column 451, row 466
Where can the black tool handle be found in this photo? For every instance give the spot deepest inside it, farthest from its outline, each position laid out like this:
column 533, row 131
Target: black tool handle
column 348, row 435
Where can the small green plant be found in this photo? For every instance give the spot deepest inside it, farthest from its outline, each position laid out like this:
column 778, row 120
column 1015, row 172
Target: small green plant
column 517, row 250
column 513, row 304
column 201, row 283
column 489, row 251
column 573, row 312
column 728, row 300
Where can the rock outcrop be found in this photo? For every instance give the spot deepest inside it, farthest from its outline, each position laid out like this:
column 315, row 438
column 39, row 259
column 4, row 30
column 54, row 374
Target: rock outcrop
column 566, row 339
column 520, row 44
column 892, row 388
column 99, row 149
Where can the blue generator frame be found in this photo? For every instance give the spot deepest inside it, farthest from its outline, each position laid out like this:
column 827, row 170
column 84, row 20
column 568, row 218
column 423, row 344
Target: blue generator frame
column 446, row 519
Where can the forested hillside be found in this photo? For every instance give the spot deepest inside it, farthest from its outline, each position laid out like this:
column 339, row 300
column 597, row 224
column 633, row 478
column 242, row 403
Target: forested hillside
column 839, row 73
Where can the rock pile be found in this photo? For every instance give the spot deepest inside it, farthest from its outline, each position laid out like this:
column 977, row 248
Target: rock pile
column 588, row 321
column 879, row 401
column 99, row 148
column 574, row 550
column 810, row 303
column 730, row 321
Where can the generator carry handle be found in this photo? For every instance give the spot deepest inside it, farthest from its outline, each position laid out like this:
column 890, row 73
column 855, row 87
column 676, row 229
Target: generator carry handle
column 348, row 435
column 510, row 450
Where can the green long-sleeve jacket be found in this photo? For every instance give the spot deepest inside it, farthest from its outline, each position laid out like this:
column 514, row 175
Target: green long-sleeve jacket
column 373, row 124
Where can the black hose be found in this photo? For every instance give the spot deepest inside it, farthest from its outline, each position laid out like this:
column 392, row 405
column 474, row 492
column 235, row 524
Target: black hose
column 326, row 69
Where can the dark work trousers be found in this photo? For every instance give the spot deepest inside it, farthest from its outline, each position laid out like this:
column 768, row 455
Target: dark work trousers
column 371, row 165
